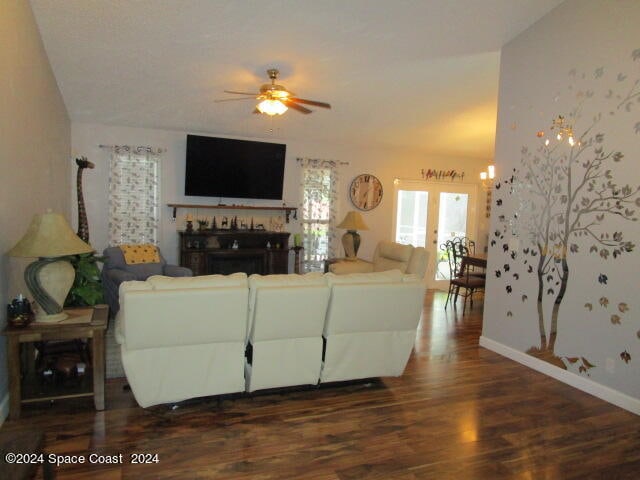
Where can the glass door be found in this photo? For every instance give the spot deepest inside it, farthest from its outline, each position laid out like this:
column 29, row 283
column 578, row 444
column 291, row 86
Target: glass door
column 429, row 214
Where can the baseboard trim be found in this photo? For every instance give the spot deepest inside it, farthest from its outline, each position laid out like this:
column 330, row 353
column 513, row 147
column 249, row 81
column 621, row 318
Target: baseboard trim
column 607, row 394
column 4, row 408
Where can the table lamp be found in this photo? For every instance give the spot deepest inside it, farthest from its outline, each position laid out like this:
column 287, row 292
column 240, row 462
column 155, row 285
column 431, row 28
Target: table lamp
column 50, row 278
column 351, row 239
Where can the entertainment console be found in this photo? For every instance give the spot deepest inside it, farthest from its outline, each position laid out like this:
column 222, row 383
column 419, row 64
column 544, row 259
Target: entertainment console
column 256, row 251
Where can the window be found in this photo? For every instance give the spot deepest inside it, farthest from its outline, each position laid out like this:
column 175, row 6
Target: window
column 319, row 182
column 411, row 217
column 133, row 195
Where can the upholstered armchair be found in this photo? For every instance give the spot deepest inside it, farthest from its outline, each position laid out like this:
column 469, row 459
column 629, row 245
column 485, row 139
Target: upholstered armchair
column 387, row 256
column 116, row 270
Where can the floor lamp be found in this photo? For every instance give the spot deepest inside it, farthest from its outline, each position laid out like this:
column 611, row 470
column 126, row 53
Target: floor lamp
column 49, row 278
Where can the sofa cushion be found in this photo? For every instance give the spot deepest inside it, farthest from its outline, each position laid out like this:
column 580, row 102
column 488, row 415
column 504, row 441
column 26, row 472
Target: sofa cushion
column 281, row 280
column 160, row 282
column 140, row 253
column 389, row 276
column 287, row 280
column 390, row 256
column 395, row 251
column 134, row 286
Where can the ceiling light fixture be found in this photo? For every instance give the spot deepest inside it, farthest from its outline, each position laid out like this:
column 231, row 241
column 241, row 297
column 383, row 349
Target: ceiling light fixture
column 271, row 107
column 490, row 174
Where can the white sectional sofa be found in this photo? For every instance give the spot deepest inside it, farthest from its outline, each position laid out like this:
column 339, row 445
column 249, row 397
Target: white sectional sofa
column 190, row 337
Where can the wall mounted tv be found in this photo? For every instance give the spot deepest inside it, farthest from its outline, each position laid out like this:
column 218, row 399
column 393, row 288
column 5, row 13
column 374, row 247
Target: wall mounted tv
column 224, row 167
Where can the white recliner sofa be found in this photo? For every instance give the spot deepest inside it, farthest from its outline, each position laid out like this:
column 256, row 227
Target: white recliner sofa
column 184, row 337
column 387, row 256
column 190, row 337
column 286, row 318
column 370, row 326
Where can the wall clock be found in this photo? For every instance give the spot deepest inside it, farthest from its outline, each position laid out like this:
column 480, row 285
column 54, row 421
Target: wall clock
column 365, row 192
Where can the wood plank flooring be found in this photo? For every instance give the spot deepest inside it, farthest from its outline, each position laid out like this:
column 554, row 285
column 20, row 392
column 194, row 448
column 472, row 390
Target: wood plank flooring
column 458, row 412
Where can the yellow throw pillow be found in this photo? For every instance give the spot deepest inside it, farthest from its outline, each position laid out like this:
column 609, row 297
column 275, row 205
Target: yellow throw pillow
column 143, row 253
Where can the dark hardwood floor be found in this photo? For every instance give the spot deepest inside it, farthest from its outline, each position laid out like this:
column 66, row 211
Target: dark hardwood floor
column 458, row 412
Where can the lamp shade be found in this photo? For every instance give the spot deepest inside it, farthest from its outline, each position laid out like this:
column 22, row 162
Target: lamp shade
column 353, row 221
column 50, row 236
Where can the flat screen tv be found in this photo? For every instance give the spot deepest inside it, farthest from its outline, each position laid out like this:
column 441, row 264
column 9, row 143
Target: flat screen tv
column 224, row 167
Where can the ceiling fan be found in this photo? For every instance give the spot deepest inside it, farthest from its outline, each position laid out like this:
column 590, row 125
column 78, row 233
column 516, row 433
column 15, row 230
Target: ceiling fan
column 275, row 99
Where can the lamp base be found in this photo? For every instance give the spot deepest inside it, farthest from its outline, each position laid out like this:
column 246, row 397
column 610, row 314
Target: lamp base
column 351, row 243
column 49, row 281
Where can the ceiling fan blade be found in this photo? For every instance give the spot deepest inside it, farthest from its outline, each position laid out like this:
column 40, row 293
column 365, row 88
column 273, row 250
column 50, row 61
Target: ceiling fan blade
column 310, row 102
column 295, row 106
column 241, row 93
column 232, row 99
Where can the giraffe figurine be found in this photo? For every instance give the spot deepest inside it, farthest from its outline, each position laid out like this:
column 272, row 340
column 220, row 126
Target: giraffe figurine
column 83, row 224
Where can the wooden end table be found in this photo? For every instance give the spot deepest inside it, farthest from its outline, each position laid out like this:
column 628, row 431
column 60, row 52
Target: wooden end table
column 94, row 330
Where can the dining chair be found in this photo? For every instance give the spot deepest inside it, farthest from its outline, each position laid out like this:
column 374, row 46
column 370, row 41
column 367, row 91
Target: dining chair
column 461, row 277
column 470, row 245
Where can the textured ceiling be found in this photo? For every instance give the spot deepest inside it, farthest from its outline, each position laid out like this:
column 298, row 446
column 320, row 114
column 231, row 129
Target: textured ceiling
column 417, row 74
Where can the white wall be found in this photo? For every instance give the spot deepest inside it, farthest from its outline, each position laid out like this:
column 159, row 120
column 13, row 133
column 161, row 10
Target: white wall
column 385, row 164
column 581, row 61
column 34, row 148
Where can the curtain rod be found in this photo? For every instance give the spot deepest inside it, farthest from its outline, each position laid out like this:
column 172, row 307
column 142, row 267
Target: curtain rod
column 140, row 147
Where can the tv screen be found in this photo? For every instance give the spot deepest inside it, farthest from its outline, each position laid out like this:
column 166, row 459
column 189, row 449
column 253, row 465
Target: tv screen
column 224, row 167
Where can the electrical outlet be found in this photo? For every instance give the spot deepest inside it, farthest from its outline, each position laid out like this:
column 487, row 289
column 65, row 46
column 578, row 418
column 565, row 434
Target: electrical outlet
column 610, row 365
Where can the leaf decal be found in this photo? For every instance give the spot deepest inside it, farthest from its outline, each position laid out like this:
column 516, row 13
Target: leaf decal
column 626, row 356
column 604, row 301
column 602, row 278
column 615, row 319
column 509, row 313
column 586, row 363
column 572, row 359
column 588, row 306
column 623, row 307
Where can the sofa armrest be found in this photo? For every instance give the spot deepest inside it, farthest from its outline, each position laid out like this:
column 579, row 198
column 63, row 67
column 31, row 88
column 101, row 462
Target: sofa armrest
column 348, row 266
column 176, row 271
column 118, row 276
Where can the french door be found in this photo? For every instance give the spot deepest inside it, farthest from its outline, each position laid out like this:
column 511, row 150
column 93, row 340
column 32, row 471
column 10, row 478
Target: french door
column 429, row 214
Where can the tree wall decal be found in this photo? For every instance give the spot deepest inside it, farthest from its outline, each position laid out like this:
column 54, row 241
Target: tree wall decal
column 569, row 195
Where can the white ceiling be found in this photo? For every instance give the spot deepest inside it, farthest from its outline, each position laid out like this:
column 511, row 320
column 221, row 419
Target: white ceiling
column 421, row 74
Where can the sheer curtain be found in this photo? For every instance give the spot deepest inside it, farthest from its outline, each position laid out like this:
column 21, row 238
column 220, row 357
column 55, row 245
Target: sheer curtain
column 134, row 195
column 318, row 207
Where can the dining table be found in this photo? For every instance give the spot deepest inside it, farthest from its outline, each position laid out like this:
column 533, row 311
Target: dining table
column 474, row 261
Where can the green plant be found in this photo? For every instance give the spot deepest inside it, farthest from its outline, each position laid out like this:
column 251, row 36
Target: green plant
column 87, row 286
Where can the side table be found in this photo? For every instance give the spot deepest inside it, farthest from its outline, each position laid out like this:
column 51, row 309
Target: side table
column 92, row 328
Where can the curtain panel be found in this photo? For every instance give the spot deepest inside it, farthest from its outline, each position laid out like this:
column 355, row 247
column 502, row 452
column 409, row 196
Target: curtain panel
column 134, row 179
column 318, row 208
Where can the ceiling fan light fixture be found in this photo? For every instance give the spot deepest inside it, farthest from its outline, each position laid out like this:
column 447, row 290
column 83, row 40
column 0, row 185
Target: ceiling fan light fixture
column 272, row 107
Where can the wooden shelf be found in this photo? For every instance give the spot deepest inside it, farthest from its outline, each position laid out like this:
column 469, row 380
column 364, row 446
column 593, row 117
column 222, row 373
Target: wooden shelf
column 287, row 210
